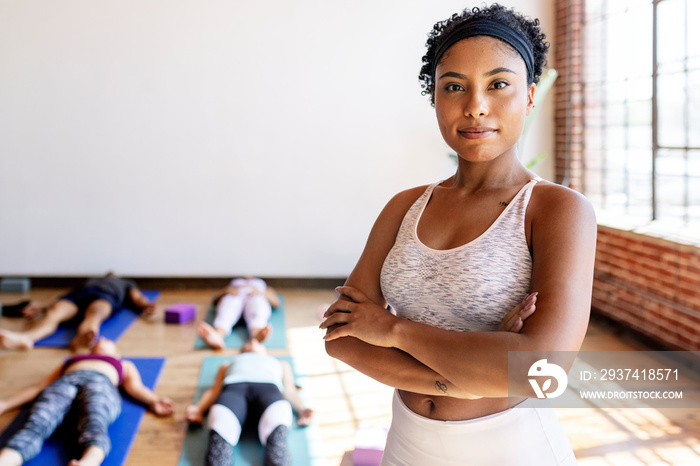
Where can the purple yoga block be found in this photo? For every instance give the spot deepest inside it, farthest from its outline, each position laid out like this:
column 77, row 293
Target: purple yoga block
column 367, row 457
column 180, row 313
column 369, row 445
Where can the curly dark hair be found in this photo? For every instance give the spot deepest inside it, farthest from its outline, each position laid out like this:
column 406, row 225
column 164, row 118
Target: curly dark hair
column 528, row 28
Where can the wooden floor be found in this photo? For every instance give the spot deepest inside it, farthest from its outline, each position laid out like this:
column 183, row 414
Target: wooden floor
column 343, row 398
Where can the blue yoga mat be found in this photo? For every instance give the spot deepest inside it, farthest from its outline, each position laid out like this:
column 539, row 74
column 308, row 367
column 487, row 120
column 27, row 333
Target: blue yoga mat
column 249, row 452
column 239, row 335
column 112, row 328
column 57, row 449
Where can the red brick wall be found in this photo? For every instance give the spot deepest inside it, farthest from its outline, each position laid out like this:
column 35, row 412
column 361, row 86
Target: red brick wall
column 649, row 284
column 568, row 90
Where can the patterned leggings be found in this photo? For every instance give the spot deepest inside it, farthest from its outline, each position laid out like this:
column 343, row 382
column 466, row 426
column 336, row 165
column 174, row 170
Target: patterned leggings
column 98, row 403
column 220, row 452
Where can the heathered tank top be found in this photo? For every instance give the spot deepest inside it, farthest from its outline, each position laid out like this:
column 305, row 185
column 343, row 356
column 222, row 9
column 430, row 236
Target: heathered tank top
column 467, row 288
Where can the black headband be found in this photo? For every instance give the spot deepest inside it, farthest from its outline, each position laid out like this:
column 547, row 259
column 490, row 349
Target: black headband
column 489, row 27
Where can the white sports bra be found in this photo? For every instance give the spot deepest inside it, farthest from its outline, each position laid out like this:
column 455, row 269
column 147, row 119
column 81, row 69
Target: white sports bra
column 255, row 367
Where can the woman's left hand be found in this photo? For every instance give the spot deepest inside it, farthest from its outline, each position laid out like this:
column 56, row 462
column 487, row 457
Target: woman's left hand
column 514, row 320
column 360, row 318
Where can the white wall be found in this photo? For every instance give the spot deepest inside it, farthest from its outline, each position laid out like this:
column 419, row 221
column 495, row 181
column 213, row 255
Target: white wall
column 212, row 137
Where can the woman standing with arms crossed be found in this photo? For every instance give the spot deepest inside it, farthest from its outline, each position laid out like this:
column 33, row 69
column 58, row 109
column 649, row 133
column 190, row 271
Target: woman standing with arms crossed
column 454, row 257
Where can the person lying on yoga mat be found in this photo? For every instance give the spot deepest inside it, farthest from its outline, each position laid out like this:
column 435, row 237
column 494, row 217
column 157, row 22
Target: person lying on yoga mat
column 91, row 383
column 255, row 387
column 248, row 297
column 91, row 303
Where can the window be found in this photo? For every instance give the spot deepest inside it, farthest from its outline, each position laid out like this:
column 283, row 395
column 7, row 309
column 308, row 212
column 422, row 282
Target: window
column 642, row 128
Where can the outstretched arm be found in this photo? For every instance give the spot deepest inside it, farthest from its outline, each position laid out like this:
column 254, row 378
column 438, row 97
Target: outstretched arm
column 272, row 297
column 134, row 387
column 195, row 412
column 291, row 393
column 28, row 394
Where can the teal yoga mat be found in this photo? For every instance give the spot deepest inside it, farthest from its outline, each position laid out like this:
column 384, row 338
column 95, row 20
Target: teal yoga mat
column 239, row 335
column 122, row 432
column 113, row 327
column 249, row 452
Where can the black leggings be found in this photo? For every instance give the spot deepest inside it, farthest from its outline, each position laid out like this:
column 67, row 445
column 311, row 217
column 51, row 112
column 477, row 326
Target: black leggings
column 249, row 402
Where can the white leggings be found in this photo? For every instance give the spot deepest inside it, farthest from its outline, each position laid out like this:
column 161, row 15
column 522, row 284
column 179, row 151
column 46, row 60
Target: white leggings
column 255, row 309
column 520, row 436
column 226, row 423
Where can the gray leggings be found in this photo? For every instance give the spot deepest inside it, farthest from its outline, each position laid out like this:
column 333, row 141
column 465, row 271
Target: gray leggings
column 98, row 403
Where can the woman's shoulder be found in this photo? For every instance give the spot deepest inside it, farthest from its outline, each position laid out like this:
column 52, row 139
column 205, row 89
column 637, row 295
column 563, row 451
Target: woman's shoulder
column 388, row 223
column 554, row 200
column 403, row 200
column 127, row 364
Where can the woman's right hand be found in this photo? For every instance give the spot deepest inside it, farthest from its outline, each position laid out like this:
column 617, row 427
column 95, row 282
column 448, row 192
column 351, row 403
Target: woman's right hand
column 194, row 415
column 163, row 407
column 305, row 417
column 513, row 321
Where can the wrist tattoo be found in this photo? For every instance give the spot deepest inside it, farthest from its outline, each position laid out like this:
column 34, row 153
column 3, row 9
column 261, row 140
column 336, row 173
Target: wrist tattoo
column 441, row 387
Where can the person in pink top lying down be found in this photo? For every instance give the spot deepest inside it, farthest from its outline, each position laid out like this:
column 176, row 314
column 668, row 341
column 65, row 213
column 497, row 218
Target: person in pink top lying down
column 92, row 382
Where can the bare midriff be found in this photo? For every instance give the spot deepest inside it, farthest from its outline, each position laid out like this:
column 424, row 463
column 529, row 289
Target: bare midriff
column 95, row 365
column 444, row 408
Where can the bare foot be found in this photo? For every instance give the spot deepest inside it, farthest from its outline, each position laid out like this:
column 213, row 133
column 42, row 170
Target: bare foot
column 83, row 339
column 210, row 335
column 263, row 333
column 10, row 457
column 15, row 341
column 93, row 456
